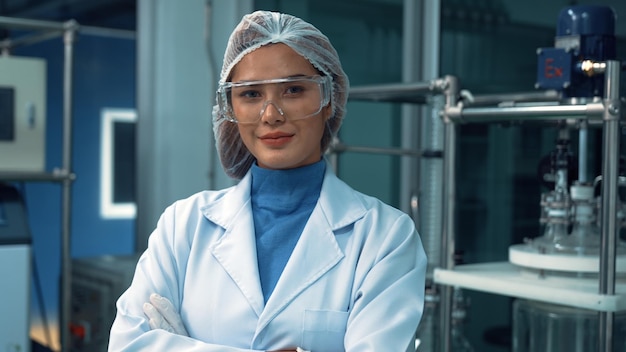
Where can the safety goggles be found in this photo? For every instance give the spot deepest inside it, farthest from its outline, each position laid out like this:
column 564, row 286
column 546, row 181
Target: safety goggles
column 294, row 98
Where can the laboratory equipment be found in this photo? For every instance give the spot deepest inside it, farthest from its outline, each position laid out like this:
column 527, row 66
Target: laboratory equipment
column 570, row 242
column 97, row 283
column 569, row 251
column 577, row 262
column 584, row 238
column 22, row 114
column 459, row 341
column 540, row 326
column 555, row 204
column 561, row 253
column 15, row 259
column 584, row 34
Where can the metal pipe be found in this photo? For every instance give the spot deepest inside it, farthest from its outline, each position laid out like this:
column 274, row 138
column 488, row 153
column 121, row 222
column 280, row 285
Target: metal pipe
column 30, row 24
column 66, row 258
column 538, row 113
column 610, row 171
column 414, row 92
column 431, row 144
column 339, row 147
column 583, row 138
column 431, row 181
column 492, row 99
column 54, row 29
column 392, row 89
column 214, row 71
column 449, row 213
column 60, row 27
column 55, row 176
column 107, row 32
column 410, row 115
column 29, row 39
column 146, row 134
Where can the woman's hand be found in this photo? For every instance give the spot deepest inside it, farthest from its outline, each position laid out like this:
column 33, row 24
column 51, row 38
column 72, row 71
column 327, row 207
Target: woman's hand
column 162, row 315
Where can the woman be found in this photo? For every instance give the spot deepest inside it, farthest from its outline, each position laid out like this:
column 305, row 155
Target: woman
column 291, row 257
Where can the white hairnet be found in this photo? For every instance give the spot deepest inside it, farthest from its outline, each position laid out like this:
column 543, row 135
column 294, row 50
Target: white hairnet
column 254, row 31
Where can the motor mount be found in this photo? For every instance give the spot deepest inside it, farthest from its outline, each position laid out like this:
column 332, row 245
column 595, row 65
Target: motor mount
column 584, row 32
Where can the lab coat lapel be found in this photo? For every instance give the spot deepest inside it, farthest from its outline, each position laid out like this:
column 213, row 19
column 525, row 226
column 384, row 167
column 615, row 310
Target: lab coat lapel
column 236, row 250
column 315, row 254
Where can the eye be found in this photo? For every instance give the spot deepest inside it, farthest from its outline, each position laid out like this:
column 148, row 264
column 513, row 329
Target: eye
column 294, row 89
column 247, row 93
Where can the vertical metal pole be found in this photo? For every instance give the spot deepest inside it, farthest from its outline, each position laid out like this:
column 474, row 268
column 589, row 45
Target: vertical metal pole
column 583, row 137
column 66, row 258
column 449, row 214
column 431, row 134
column 412, row 50
column 146, row 125
column 420, row 54
column 610, row 173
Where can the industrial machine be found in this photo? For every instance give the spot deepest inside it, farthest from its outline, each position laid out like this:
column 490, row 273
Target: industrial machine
column 22, row 114
column 96, row 284
column 584, row 34
column 567, row 281
column 570, row 244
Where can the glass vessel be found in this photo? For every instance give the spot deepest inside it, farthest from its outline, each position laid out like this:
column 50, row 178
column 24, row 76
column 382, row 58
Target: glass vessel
column 459, row 342
column 546, row 327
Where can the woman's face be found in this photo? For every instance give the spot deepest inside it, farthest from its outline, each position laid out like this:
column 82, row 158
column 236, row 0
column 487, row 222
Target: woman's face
column 276, row 141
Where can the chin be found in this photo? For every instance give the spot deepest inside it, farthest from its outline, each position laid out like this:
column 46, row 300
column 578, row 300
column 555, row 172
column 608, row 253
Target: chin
column 279, row 163
column 280, row 160
column 275, row 163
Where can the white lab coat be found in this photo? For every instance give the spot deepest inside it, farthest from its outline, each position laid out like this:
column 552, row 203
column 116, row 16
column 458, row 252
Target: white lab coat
column 354, row 282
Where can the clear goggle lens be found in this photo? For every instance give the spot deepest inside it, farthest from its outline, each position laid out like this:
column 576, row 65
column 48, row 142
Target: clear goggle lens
column 294, row 98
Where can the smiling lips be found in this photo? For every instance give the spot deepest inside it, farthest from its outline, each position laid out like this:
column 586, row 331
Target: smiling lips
column 276, row 139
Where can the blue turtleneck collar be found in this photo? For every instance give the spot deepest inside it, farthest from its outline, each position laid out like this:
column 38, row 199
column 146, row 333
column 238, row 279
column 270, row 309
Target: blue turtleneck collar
column 287, row 188
column 282, row 202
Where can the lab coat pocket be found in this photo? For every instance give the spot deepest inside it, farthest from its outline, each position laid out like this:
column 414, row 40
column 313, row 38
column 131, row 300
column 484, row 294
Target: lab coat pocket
column 324, row 330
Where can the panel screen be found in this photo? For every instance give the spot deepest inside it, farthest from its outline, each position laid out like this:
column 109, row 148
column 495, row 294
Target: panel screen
column 7, row 114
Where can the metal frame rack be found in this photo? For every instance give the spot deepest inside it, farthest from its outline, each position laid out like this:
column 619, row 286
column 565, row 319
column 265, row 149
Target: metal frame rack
column 602, row 298
column 45, row 30
column 502, row 278
column 419, row 93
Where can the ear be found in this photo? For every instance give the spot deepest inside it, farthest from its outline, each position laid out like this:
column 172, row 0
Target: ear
column 327, row 111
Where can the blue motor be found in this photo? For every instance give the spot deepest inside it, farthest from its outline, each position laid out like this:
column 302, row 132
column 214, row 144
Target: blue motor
column 584, row 32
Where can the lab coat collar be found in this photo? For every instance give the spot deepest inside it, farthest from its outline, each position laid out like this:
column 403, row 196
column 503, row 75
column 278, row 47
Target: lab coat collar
column 315, row 254
column 338, row 202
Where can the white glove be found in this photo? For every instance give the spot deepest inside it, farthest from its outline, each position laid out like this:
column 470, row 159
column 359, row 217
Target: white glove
column 162, row 315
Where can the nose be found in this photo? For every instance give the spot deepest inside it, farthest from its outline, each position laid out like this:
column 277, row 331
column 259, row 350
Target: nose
column 271, row 115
